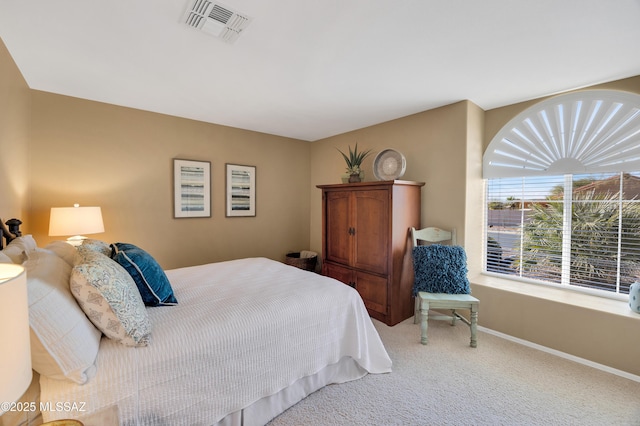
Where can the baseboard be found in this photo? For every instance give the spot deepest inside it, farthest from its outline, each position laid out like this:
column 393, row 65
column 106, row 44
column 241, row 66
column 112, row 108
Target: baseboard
column 564, row 355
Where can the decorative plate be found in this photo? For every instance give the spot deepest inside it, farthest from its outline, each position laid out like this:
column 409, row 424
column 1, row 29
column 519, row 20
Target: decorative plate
column 389, row 164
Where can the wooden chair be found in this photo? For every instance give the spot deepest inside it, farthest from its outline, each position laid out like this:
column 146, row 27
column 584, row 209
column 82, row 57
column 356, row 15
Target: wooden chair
column 426, row 300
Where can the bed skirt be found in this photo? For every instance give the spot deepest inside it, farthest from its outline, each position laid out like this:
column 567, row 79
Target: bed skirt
column 267, row 408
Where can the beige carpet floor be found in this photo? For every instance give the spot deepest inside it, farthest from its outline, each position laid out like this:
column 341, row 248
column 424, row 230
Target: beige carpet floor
column 448, row 383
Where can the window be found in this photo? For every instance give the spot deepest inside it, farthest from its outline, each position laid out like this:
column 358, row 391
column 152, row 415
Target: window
column 563, row 193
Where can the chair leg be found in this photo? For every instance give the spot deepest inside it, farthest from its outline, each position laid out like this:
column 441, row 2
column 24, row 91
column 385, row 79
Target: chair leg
column 416, row 310
column 424, row 323
column 454, row 317
column 474, row 328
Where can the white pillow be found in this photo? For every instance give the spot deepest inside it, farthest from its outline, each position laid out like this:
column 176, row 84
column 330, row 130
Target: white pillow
column 110, row 298
column 20, row 248
column 26, row 242
column 4, row 258
column 64, row 250
column 64, row 343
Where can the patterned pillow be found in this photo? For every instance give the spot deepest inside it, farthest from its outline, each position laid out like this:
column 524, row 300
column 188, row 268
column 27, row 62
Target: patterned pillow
column 440, row 269
column 152, row 282
column 96, row 245
column 110, row 298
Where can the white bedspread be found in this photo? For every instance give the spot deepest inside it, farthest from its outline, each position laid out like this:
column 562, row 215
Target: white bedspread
column 242, row 330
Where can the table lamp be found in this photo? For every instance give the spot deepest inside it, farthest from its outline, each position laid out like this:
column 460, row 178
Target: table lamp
column 75, row 221
column 15, row 356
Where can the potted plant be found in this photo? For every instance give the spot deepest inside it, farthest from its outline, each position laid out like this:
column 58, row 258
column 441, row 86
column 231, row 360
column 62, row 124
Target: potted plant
column 354, row 162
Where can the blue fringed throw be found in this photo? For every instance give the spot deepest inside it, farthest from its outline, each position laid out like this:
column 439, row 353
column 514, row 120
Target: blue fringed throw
column 440, row 269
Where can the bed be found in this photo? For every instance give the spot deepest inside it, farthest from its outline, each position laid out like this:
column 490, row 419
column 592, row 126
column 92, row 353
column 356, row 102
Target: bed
column 246, row 340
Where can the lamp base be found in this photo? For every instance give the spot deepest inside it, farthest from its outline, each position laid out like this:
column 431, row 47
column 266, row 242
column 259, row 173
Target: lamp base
column 76, row 240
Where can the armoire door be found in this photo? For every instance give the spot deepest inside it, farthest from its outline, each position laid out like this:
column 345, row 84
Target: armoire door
column 339, row 230
column 371, row 223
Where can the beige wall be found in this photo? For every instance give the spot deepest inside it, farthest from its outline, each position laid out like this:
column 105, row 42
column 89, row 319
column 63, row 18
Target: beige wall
column 66, row 150
column 433, row 142
column 474, row 190
column 14, row 137
column 121, row 159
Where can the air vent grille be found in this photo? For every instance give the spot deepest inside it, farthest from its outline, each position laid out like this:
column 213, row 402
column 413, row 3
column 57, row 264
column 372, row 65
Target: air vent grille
column 216, row 19
column 220, row 14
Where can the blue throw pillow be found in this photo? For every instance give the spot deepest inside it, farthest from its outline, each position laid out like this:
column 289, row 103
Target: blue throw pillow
column 440, row 269
column 150, row 278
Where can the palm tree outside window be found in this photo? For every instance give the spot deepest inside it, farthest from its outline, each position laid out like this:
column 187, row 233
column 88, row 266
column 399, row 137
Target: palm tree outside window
column 563, row 193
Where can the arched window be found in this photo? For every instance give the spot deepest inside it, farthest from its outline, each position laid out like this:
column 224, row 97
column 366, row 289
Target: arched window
column 563, row 193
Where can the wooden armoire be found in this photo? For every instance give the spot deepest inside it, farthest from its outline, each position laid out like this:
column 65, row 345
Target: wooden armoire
column 366, row 242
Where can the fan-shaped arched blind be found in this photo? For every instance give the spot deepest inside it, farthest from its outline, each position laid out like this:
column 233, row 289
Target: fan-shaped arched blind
column 592, row 131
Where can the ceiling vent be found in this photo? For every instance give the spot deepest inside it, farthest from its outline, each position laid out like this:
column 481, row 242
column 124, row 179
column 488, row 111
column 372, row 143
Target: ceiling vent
column 217, row 20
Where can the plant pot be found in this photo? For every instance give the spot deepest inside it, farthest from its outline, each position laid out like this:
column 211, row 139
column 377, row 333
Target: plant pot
column 346, row 178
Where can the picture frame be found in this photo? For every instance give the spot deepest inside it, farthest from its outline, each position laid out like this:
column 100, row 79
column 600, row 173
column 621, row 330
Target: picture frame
column 241, row 190
column 191, row 188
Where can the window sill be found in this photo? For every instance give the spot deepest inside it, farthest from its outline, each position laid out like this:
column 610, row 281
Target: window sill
column 557, row 295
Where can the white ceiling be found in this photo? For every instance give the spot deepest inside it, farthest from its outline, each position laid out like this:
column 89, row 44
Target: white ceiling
column 309, row 69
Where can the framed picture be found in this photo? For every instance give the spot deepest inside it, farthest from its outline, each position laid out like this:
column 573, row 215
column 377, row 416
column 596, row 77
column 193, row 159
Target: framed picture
column 241, row 190
column 191, row 188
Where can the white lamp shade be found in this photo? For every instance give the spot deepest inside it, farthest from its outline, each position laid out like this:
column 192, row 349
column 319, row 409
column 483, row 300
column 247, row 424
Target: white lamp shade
column 66, row 221
column 15, row 356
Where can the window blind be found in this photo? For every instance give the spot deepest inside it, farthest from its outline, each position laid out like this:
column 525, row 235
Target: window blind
column 578, row 230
